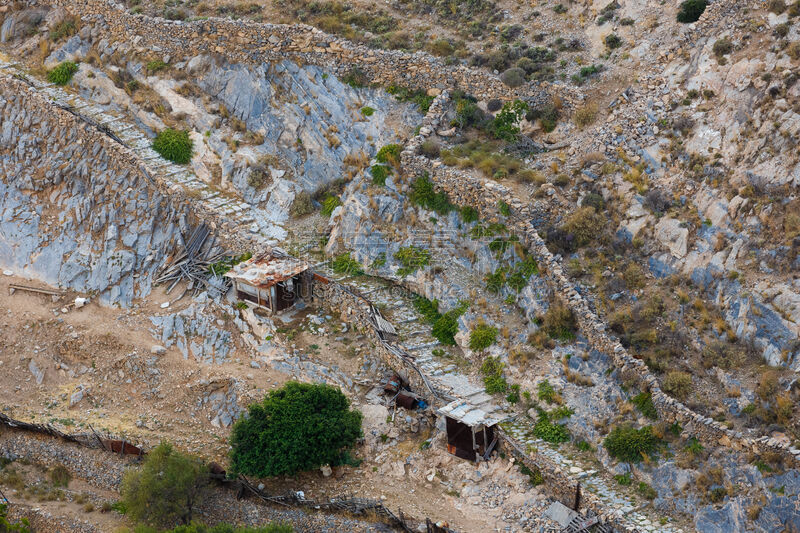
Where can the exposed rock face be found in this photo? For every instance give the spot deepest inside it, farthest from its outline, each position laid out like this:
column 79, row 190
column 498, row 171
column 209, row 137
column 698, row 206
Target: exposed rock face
column 309, row 120
column 670, row 233
column 194, row 331
column 75, row 211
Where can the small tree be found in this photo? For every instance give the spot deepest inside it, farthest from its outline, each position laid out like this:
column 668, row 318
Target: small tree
column 166, row 489
column 295, row 428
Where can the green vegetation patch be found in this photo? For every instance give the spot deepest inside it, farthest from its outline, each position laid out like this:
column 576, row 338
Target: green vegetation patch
column 62, row 74
column 412, row 258
column 423, row 195
column 389, row 154
column 419, row 97
column 493, row 380
column 344, row 264
column 379, row 174
column 481, row 337
column 644, row 402
column 329, row 204
column 691, row 10
column 631, row 445
column 174, row 145
column 296, row 428
column 550, row 431
column 224, row 265
column 167, row 489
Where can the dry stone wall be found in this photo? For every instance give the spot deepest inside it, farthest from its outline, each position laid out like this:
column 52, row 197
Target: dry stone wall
column 253, row 43
column 485, row 196
column 357, row 310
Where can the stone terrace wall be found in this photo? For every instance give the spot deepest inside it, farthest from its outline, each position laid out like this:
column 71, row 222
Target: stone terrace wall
column 485, row 195
column 249, row 42
column 357, row 311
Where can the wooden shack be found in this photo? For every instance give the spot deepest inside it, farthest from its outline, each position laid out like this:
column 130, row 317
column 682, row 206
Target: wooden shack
column 271, row 282
column 470, row 429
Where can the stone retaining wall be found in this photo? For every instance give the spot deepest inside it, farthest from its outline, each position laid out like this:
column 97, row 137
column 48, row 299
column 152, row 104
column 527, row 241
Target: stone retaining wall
column 119, row 158
column 485, row 196
column 254, row 43
column 357, row 311
column 561, row 486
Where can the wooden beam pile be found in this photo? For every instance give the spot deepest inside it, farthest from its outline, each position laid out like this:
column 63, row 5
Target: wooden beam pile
column 193, row 264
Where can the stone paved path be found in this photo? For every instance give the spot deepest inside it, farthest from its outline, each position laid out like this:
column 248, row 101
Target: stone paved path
column 416, row 337
column 226, row 206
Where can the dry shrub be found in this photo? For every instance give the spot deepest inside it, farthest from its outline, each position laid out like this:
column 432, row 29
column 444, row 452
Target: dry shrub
column 586, row 114
column 677, row 384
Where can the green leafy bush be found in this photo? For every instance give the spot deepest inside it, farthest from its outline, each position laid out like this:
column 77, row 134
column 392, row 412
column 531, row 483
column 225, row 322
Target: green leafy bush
column 505, row 125
column 367, row 111
column 389, row 154
column 296, row 428
column 344, row 264
column 624, row 479
column 174, row 145
column 469, row 214
column 423, row 195
column 167, row 488
column 379, row 174
column 446, row 326
column 492, row 370
column 691, row 10
column 329, row 204
column 644, row 402
column 546, row 392
column 481, row 337
column 629, row 444
column 412, row 259
column 549, row 431
column 468, row 114
column 513, row 396
column 61, row 74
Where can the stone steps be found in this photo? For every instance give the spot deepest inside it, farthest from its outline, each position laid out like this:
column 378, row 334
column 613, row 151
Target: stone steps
column 235, row 211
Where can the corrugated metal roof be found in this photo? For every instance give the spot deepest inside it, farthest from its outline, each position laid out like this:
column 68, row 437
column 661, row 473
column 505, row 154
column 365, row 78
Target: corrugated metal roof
column 267, row 270
column 473, row 415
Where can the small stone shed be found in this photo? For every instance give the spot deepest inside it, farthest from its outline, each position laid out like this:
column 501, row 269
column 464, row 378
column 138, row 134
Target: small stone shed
column 471, row 428
column 271, row 282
